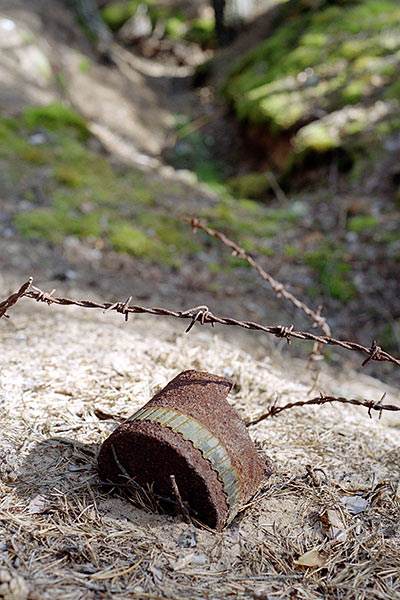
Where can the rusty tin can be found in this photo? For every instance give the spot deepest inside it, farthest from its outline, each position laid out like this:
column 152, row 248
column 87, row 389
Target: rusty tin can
column 188, row 430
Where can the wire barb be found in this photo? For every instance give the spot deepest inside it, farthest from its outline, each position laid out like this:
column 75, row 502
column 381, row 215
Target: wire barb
column 13, row 298
column 285, row 333
column 375, row 353
column 277, row 286
column 198, row 314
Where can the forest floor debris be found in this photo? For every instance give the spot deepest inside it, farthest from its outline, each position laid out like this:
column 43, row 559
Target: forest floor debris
column 304, row 535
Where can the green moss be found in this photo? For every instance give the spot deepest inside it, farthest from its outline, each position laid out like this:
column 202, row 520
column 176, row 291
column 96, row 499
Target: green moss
column 127, row 238
column 317, row 137
column 291, row 251
column 315, row 63
column 247, row 219
column 84, row 64
column 250, row 185
column 354, row 91
column 201, row 31
column 40, row 224
column 67, row 175
column 214, row 268
column 55, row 117
column 175, row 27
column 334, row 271
column 117, row 13
column 53, row 224
column 265, row 250
column 362, row 223
column 11, row 141
column 393, row 90
column 34, row 155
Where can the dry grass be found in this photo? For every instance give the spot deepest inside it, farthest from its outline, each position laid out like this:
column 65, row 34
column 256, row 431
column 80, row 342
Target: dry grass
column 63, row 537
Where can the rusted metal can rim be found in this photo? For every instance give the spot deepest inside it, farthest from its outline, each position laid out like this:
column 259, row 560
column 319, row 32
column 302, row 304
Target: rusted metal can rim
column 190, row 431
column 203, row 440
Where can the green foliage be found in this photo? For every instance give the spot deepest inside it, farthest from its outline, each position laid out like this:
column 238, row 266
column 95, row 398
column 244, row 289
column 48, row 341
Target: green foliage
column 55, row 117
column 334, row 271
column 362, row 223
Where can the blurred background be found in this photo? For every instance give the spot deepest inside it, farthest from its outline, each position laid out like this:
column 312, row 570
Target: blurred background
column 278, row 122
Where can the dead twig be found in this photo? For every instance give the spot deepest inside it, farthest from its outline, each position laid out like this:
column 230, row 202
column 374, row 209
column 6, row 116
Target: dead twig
column 175, row 490
column 204, row 316
column 370, row 404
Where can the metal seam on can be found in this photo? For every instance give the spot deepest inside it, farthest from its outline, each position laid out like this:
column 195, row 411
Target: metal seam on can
column 202, row 439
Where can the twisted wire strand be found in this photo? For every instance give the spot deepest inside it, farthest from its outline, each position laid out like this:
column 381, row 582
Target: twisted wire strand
column 370, row 404
column 198, row 314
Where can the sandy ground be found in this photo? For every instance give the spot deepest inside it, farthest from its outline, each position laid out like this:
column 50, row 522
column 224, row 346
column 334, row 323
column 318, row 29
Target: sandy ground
column 324, row 525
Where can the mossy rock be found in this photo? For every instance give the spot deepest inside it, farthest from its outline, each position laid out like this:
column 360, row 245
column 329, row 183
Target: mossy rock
column 319, row 61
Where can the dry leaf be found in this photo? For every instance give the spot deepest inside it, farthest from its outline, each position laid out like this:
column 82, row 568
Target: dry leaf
column 355, row 504
column 39, row 504
column 189, row 559
column 183, row 561
column 334, row 526
column 312, row 558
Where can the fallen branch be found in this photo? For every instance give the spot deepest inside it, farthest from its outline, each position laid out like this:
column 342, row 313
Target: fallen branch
column 203, row 316
column 370, row 404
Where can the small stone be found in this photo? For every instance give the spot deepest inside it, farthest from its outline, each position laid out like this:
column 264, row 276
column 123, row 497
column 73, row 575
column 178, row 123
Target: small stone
column 187, row 539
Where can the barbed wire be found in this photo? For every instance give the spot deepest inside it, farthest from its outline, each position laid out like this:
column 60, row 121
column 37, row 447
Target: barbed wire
column 198, row 314
column 370, row 404
column 278, row 287
column 13, row 298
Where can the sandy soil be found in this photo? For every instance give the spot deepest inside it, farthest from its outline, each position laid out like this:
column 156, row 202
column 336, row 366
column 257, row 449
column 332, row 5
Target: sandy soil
column 334, row 493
